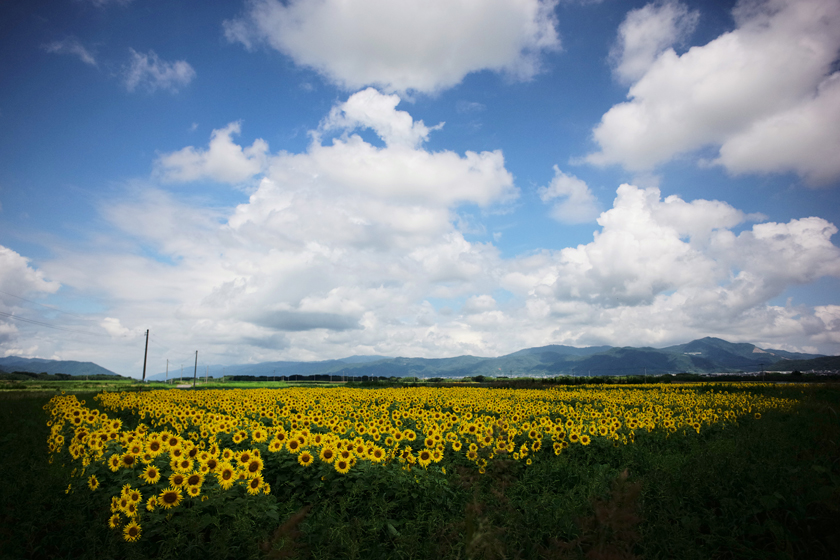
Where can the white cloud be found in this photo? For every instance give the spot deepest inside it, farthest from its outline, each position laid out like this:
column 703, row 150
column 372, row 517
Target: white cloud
column 17, row 280
column 341, row 249
column 72, row 46
column 400, row 170
column 20, row 279
column 479, row 304
column 647, row 32
column 578, row 206
column 743, row 91
column 371, row 109
column 222, row 161
column 152, row 73
column 115, row 329
column 417, row 45
column 664, row 271
column 804, row 139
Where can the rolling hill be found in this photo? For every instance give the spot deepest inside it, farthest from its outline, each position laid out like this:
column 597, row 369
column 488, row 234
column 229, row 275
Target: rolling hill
column 38, row 365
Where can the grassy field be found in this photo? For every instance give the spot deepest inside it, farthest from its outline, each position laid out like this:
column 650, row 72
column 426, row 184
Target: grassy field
column 766, row 488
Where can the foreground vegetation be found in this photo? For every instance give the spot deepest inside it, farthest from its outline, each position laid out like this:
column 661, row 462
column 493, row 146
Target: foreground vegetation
column 693, row 471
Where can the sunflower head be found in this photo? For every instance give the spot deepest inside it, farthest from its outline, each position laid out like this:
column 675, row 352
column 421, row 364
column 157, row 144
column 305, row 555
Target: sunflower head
column 255, row 485
column 131, row 532
column 305, row 459
column 195, row 479
column 342, row 465
column 254, row 466
column 170, row 497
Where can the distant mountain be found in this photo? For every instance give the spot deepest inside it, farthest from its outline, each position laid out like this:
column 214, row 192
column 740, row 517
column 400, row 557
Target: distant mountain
column 38, row 365
column 729, row 356
column 706, row 355
column 269, row 369
column 824, row 363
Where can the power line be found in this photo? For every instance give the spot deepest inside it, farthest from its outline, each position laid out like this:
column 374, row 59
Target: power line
column 43, row 305
column 42, row 324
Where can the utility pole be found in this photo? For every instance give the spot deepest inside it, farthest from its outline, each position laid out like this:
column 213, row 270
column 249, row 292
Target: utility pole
column 167, row 370
column 182, row 374
column 206, row 373
column 195, row 369
column 145, row 355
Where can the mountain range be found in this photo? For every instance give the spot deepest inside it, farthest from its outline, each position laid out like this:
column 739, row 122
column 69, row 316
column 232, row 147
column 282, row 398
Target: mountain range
column 38, row 365
column 705, row 355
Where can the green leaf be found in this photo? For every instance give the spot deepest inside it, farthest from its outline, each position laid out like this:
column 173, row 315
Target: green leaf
column 392, row 530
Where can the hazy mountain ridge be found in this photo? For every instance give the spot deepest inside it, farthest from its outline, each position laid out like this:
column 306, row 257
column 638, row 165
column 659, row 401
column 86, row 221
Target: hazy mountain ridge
column 705, row 355
column 38, row 365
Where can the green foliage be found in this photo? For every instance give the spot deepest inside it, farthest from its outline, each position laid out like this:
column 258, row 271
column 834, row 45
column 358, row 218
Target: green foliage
column 767, row 488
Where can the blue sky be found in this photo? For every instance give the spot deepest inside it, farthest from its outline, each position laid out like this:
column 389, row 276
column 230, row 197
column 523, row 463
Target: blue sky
column 306, row 180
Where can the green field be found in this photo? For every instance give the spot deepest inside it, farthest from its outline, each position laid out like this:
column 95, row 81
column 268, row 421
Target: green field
column 768, row 488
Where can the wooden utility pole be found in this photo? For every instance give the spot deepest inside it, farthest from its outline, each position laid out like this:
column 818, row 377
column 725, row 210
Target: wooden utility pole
column 195, row 369
column 145, row 355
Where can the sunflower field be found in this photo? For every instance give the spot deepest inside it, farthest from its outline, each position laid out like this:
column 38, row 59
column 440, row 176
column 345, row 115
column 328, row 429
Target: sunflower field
column 158, row 465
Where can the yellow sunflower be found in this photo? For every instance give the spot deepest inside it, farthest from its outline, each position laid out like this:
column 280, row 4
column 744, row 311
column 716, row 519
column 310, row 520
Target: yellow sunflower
column 131, row 532
column 177, row 479
column 194, row 479
column 254, row 467
column 305, row 459
column 342, row 465
column 151, row 503
column 170, row 497
column 255, row 485
column 226, row 475
column 151, row 475
column 327, row 454
column 93, row 482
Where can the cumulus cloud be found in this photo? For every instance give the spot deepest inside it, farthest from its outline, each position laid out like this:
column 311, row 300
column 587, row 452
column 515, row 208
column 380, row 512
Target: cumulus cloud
column 666, row 270
column 400, row 170
column 804, row 139
column 371, row 109
column 222, row 161
column 18, row 278
column 646, row 33
column 115, row 329
column 150, row 72
column 578, row 204
column 399, row 46
column 343, row 247
column 479, row 304
column 71, row 46
column 754, row 92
